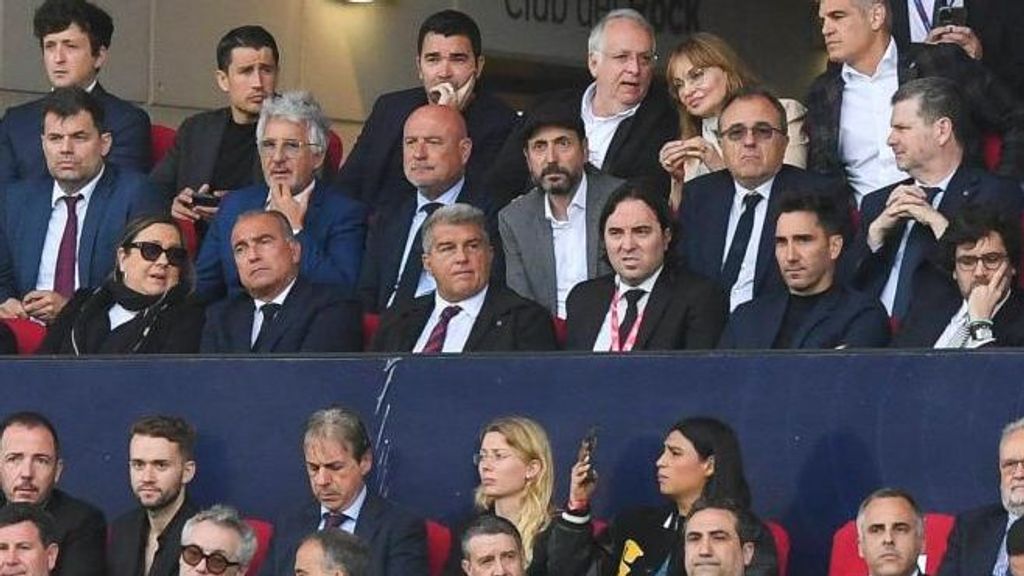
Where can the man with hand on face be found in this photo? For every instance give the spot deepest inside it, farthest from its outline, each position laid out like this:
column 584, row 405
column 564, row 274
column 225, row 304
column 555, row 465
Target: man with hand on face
column 717, row 539
column 449, row 62
column 28, row 541
column 646, row 304
column 890, row 533
column 30, row 466
column 147, row 540
column 215, row 151
column 816, row 311
column 491, row 546
column 292, row 141
column 338, row 458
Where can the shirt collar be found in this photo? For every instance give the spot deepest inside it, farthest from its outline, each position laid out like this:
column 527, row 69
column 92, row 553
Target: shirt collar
column 765, row 190
column 448, row 198
column 647, row 285
column 302, row 196
column 353, row 509
column 578, row 202
column 941, row 184
column 85, row 191
column 587, row 107
column 887, row 65
column 280, row 298
column 470, row 306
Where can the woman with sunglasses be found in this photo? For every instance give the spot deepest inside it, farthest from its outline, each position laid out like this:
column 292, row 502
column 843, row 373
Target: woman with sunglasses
column 703, row 73
column 144, row 306
column 700, row 458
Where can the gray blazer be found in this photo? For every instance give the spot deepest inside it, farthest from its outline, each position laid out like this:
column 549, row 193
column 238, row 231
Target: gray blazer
column 529, row 245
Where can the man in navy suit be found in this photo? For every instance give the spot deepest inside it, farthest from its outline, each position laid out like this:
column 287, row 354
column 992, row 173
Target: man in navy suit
column 901, row 224
column 74, row 37
column 449, row 62
column 727, row 218
column 816, row 311
column 60, row 232
column 292, row 140
column 279, row 311
column 976, row 544
column 338, row 457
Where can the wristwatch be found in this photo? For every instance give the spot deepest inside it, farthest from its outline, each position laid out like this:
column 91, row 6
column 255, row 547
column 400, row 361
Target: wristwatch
column 980, row 330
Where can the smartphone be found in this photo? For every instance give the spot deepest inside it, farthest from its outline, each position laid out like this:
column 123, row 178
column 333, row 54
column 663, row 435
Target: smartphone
column 951, row 16
column 587, row 448
column 207, row 200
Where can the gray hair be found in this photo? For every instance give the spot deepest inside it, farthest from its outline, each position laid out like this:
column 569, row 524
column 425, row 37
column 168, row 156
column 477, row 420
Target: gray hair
column 1010, row 429
column 454, row 215
column 489, row 525
column 891, row 493
column 595, row 43
column 342, row 551
column 340, row 424
column 226, row 517
column 282, row 221
column 300, row 107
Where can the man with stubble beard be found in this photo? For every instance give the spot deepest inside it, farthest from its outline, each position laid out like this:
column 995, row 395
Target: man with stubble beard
column 147, row 540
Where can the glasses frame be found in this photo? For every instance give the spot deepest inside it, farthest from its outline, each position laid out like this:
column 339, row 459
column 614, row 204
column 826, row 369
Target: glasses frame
column 990, row 261
column 220, row 563
column 176, row 255
column 762, row 132
column 290, row 149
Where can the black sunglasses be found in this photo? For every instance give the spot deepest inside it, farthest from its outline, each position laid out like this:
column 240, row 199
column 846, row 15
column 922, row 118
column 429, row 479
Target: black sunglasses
column 151, row 252
column 216, row 563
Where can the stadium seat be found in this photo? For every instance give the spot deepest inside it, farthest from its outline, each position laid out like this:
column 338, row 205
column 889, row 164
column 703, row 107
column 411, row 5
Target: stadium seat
column 439, row 545
column 561, row 333
column 846, row 561
column 335, row 151
column 264, row 532
column 781, row 538
column 370, row 324
column 992, row 150
column 28, row 334
column 161, row 140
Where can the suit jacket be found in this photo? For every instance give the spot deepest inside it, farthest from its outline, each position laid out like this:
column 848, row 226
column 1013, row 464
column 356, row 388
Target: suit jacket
column 25, row 209
column 81, row 535
column 313, row 318
column 967, row 185
column 507, row 322
column 632, row 154
column 373, row 171
column 397, row 540
column 529, row 245
column 992, row 106
column 842, row 318
column 684, row 311
column 704, row 223
column 127, row 546
column 332, row 241
column 190, row 163
column 974, row 543
column 21, row 150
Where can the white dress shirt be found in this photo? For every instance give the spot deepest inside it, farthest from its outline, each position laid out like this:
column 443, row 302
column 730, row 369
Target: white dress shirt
column 55, row 231
column 603, row 343
column 952, row 337
column 1002, row 565
column 459, row 326
column 119, row 315
column 353, row 511
column 888, row 296
column 257, row 319
column 600, row 129
column 426, row 283
column 864, row 126
column 570, row 240
column 918, row 28
column 743, row 290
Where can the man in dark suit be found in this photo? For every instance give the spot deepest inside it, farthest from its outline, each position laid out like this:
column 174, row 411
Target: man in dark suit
column 338, row 457
column 467, row 312
column 29, row 540
column 332, row 553
column 60, row 232
column 971, row 298
column 848, row 105
column 627, row 116
column 147, row 540
column 718, row 539
column 550, row 235
column 292, row 136
column 74, row 37
column 491, row 544
column 816, row 311
column 30, row 451
column 727, row 219
column 900, row 224
column 646, row 304
column 890, row 533
column 217, row 541
column 215, row 151
column 435, row 154
column 976, row 542
column 279, row 312
column 449, row 62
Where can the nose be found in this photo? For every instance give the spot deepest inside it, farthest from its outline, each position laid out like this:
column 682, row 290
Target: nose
column 891, row 138
column 59, row 54
column 321, row 478
column 660, row 462
column 445, row 69
column 419, row 150
column 25, row 469
column 790, row 253
column 148, row 474
column 633, row 64
column 826, row 27
column 704, row 548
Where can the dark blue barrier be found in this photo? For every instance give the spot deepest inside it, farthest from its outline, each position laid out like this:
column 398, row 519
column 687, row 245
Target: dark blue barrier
column 818, row 431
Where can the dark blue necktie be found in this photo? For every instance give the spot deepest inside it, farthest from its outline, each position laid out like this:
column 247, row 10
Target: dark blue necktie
column 917, row 249
column 740, row 239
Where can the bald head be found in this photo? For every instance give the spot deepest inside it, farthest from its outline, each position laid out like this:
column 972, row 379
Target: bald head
column 436, row 149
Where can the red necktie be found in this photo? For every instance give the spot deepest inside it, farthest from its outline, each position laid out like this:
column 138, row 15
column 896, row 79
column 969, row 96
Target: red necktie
column 64, row 276
column 436, row 341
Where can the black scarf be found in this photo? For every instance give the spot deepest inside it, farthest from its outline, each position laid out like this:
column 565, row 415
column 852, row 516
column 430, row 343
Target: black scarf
column 91, row 331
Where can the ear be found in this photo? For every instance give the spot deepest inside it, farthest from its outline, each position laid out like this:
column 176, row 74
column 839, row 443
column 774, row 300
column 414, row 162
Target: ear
column 533, row 468
column 101, row 58
column 877, row 14
column 60, row 469
column 366, row 463
column 188, row 472
column 465, row 566
column 709, row 466
column 419, row 69
column 593, row 59
column 479, row 66
column 222, row 81
column 106, row 140
column 667, row 233
column 465, row 149
column 860, row 545
column 122, row 254
column 943, row 129
column 426, row 263
column 296, row 252
column 52, row 551
column 748, row 553
column 835, row 246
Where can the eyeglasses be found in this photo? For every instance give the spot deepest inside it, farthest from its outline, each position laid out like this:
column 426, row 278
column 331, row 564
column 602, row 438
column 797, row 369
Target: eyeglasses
column 990, row 261
column 762, row 132
column 1010, row 466
column 495, row 456
column 644, row 59
column 151, row 251
column 289, row 148
column 695, row 77
column 216, row 563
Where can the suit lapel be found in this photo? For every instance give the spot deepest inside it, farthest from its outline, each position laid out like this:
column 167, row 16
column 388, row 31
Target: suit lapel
column 718, row 216
column 95, row 218
column 289, row 312
column 961, row 189
column 598, row 190
column 35, row 227
column 210, row 135
column 654, row 311
column 243, row 312
column 487, row 319
column 591, row 318
column 540, row 245
column 414, row 319
column 766, row 244
column 369, row 518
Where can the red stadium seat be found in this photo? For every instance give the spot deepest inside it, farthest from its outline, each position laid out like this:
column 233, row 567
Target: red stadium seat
column 161, row 140
column 439, row 546
column 28, row 334
column 264, row 532
column 370, row 324
column 781, row 538
column 992, row 150
column 846, row 561
column 188, row 230
column 335, row 150
column 561, row 332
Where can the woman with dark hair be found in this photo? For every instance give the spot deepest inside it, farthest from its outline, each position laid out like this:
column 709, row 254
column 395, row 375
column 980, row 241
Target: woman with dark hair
column 144, row 307
column 700, row 458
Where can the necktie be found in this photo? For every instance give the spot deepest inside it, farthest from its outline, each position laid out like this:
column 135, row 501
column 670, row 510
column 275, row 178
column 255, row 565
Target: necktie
column 632, row 298
column 740, row 239
column 64, row 275
column 435, row 343
column 915, row 252
column 269, row 312
column 410, row 280
column 963, row 333
column 334, row 520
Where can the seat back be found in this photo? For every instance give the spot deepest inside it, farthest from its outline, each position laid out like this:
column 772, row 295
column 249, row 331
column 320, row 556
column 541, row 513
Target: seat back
column 782, row 545
column 161, row 140
column 370, row 324
column 27, row 333
column 439, row 546
column 264, row 532
column 846, row 561
column 335, row 151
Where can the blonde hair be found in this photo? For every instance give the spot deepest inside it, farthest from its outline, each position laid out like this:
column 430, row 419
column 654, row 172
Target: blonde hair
column 529, row 441
column 704, row 50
